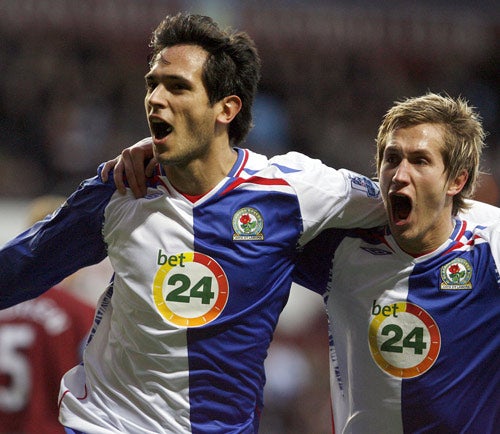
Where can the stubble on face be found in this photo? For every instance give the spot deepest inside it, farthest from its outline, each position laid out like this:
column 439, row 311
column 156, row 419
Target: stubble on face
column 414, row 188
column 180, row 107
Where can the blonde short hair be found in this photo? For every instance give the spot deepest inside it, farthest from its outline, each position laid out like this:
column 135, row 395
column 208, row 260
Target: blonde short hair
column 463, row 135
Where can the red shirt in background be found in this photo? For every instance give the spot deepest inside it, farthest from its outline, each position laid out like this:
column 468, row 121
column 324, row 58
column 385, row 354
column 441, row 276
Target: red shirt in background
column 40, row 340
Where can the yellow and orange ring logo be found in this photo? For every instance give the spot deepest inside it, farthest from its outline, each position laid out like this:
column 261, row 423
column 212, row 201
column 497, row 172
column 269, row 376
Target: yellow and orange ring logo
column 400, row 365
column 197, row 266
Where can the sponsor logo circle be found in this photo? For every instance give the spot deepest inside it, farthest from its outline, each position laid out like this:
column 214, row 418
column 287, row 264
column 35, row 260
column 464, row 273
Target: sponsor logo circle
column 404, row 340
column 190, row 290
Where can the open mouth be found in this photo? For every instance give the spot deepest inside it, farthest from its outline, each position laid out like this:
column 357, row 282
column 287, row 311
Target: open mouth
column 160, row 129
column 401, row 207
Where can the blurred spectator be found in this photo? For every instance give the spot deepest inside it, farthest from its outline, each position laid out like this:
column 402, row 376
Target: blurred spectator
column 487, row 189
column 297, row 392
column 40, row 340
column 270, row 134
column 331, row 67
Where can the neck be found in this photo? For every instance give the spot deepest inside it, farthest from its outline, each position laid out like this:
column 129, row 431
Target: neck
column 425, row 243
column 202, row 174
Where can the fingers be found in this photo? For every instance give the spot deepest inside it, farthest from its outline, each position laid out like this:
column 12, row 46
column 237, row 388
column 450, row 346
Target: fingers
column 108, row 166
column 131, row 165
column 150, row 168
column 118, row 175
column 130, row 168
column 126, row 171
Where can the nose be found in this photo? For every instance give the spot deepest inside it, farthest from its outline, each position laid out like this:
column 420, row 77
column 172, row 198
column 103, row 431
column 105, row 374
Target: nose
column 401, row 175
column 157, row 98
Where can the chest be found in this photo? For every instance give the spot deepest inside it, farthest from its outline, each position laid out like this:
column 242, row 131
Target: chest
column 194, row 261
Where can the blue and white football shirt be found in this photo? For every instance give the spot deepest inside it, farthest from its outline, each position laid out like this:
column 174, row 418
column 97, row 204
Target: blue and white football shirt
column 414, row 342
column 181, row 334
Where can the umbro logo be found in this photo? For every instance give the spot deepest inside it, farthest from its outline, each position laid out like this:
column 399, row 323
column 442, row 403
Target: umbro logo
column 375, row 251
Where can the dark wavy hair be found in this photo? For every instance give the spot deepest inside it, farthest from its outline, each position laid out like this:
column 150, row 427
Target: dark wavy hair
column 232, row 66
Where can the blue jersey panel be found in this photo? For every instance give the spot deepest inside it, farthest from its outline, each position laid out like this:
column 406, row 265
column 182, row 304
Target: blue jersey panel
column 255, row 300
column 414, row 341
column 313, row 269
column 467, row 368
column 76, row 227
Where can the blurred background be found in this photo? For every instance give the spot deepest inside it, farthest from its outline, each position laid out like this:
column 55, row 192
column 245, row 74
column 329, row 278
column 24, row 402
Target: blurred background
column 71, row 96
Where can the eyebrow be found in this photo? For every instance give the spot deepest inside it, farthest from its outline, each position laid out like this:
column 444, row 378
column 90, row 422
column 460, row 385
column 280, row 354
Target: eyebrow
column 150, row 76
column 392, row 147
column 163, row 60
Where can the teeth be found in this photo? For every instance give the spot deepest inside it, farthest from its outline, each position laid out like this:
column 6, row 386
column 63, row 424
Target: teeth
column 160, row 122
column 160, row 128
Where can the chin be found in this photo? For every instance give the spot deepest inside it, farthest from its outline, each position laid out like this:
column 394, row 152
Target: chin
column 400, row 233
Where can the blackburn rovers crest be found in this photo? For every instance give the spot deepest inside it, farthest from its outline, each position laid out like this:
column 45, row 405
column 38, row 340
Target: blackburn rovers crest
column 248, row 224
column 456, row 275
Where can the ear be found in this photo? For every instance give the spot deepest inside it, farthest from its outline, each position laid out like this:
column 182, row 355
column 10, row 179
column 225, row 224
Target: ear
column 230, row 107
column 456, row 185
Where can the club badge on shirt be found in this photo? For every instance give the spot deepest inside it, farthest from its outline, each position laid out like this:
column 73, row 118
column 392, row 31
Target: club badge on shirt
column 247, row 225
column 456, row 275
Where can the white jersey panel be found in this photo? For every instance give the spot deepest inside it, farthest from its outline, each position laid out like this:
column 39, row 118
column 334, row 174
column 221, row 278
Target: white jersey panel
column 356, row 295
column 181, row 336
column 329, row 197
column 481, row 212
column 411, row 338
column 137, row 233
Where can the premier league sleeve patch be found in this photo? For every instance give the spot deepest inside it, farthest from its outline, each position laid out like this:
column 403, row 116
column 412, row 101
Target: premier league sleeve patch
column 365, row 185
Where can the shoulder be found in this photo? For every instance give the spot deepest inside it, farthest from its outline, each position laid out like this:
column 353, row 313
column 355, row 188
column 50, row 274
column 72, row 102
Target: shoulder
column 315, row 170
column 291, row 161
column 296, row 160
column 476, row 235
column 481, row 213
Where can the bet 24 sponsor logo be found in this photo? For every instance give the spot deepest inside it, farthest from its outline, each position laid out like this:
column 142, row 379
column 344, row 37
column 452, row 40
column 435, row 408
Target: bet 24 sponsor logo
column 404, row 339
column 190, row 289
